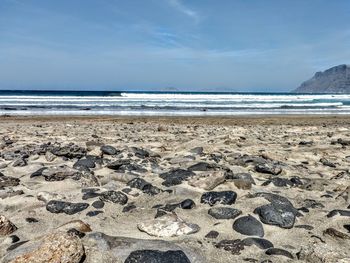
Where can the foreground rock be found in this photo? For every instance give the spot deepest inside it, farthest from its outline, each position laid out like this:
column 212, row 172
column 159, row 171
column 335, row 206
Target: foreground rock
column 249, row 226
column 223, row 197
column 57, row 247
column 156, row 256
column 6, row 226
column 169, row 225
column 68, row 208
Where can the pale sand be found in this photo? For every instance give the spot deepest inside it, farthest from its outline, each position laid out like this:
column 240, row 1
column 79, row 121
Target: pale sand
column 273, row 137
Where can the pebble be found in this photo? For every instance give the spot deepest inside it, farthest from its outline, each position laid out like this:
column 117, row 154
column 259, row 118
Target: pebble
column 93, row 213
column 249, row 226
column 98, row 204
column 55, row 206
column 169, row 225
column 116, row 197
column 223, row 197
column 109, row 150
column 224, row 212
column 6, row 226
column 156, row 256
column 212, row 234
column 233, row 246
column 279, row 252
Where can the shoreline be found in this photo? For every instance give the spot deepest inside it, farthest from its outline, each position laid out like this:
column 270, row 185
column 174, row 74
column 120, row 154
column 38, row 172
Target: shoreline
column 218, row 120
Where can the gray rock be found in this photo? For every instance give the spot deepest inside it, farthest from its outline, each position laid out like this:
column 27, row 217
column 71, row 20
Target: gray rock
column 333, row 80
column 224, row 212
column 156, row 256
column 6, row 181
column 268, row 168
column 109, row 150
column 249, row 226
column 114, row 197
column 55, row 206
column 223, row 197
column 279, row 252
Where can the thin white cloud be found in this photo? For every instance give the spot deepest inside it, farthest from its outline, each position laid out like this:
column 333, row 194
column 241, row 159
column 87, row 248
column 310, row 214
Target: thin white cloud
column 181, row 7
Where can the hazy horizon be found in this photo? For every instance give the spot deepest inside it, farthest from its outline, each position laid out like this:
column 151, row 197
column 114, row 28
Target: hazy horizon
column 194, row 45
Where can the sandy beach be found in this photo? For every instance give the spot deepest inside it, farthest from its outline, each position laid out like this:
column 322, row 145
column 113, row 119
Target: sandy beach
column 207, row 189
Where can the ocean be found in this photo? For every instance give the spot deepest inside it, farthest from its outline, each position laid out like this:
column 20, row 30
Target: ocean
column 169, row 103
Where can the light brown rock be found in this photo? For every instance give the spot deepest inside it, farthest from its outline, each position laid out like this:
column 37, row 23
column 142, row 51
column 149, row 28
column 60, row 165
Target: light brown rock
column 55, row 248
column 6, row 226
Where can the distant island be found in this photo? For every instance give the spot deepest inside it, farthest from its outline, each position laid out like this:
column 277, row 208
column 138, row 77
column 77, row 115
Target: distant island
column 333, row 80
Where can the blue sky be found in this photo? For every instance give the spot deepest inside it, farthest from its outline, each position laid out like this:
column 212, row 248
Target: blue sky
column 223, row 45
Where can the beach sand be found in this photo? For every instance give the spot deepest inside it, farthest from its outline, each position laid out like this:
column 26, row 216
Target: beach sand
column 303, row 159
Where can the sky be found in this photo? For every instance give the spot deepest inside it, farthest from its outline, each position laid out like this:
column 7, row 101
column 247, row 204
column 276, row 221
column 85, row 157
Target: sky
column 186, row 45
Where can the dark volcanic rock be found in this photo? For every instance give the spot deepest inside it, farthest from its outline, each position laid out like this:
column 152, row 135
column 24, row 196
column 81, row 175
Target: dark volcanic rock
column 338, row 212
column 259, row 242
column 109, row 150
column 223, row 197
column 249, row 226
column 144, row 186
column 6, row 181
column 347, row 227
column 202, row 166
column 277, row 214
column 187, row 204
column 38, row 172
column 60, row 173
column 94, row 213
column 156, row 256
column 268, row 168
column 279, row 252
column 19, row 162
column 84, row 163
column 212, row 234
column 326, row 162
column 140, row 153
column 335, row 233
column 175, row 176
column 234, row 246
column 68, row 208
column 333, row 80
column 114, row 197
column 224, row 212
column 98, row 204
column 69, row 151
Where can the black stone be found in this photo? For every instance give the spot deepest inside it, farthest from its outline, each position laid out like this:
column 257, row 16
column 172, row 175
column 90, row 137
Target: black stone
column 347, row 227
column 234, row 246
column 94, row 213
column 268, row 168
column 69, row 151
column 187, row 204
column 279, row 252
column 114, row 197
column 14, row 238
column 223, row 197
column 259, row 242
column 116, row 165
column 140, row 153
column 32, row 220
column 338, row 212
column 328, row 163
column 144, row 186
column 277, row 214
column 98, row 204
column 89, row 195
column 212, row 234
column 307, row 227
column 6, row 181
column 38, row 172
column 156, row 256
column 128, row 208
column 249, row 226
column 68, row 208
column 109, row 150
column 84, row 163
column 175, row 176
column 202, row 166
column 224, row 212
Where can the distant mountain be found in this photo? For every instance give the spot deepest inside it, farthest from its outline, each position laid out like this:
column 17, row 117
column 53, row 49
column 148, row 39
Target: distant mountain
column 333, row 80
